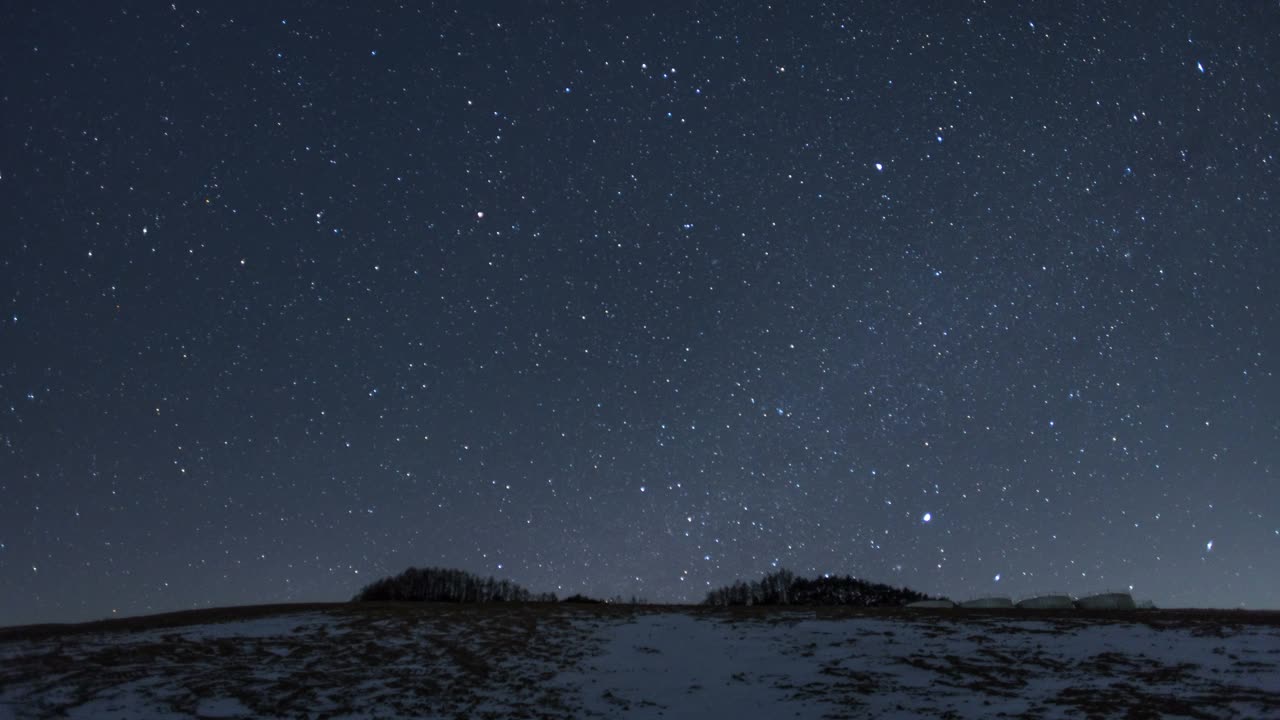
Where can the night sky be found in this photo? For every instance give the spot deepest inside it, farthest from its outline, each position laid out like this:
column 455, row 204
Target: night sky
column 621, row 299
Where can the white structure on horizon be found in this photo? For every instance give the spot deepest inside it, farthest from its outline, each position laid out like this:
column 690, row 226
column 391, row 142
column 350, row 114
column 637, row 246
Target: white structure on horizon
column 988, row 602
column 1107, row 601
column 1055, row 601
column 1047, row 602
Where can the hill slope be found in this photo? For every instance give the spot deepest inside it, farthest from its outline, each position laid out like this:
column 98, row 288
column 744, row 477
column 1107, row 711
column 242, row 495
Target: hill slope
column 553, row 661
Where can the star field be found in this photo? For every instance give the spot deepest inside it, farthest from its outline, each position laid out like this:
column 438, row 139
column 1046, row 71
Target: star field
column 977, row 299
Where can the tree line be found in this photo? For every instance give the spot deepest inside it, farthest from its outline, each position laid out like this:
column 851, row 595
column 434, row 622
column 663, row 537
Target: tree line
column 785, row 588
column 435, row 584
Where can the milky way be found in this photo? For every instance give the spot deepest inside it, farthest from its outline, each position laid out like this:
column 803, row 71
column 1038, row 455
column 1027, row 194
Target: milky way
column 610, row 300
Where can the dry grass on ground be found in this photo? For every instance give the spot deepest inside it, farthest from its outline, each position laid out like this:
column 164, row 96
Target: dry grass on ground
column 559, row 661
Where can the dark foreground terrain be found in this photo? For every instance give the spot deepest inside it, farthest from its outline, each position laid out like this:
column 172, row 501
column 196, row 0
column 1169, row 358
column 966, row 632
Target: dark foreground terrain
column 560, row 661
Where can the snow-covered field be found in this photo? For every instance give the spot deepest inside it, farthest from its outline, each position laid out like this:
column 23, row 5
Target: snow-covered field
column 565, row 662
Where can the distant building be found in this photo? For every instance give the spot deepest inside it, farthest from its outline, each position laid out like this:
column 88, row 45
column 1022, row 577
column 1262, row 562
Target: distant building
column 988, row 602
column 931, row 604
column 1047, row 602
column 1107, row 601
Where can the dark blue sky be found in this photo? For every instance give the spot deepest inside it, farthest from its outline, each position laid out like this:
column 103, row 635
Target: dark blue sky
column 978, row 299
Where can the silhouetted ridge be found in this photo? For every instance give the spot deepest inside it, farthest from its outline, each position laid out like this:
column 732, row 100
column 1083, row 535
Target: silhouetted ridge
column 784, row 588
column 447, row 585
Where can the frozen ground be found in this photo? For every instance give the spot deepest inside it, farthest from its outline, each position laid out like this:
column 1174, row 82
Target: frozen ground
column 562, row 662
